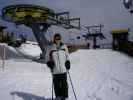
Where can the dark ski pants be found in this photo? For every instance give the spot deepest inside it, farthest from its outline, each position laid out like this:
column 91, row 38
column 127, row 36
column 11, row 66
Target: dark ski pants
column 60, row 85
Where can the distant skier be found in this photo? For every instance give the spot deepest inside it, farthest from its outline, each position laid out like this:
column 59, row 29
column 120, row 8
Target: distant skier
column 58, row 61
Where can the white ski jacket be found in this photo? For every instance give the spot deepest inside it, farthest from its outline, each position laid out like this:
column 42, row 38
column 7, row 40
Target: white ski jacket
column 59, row 55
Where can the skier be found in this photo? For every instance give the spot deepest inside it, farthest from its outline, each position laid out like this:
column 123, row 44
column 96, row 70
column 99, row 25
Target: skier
column 58, row 61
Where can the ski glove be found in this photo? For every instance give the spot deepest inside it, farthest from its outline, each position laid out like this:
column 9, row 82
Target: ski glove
column 50, row 64
column 67, row 64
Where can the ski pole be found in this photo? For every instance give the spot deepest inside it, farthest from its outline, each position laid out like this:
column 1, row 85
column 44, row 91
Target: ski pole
column 72, row 86
column 52, row 89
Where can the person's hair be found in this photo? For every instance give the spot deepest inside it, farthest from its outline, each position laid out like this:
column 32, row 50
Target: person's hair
column 55, row 36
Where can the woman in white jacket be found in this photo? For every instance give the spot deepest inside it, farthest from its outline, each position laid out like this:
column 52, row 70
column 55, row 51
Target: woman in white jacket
column 58, row 62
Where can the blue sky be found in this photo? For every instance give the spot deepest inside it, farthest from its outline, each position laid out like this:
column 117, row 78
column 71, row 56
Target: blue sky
column 111, row 13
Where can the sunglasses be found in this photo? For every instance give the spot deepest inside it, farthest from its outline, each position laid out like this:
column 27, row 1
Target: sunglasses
column 57, row 38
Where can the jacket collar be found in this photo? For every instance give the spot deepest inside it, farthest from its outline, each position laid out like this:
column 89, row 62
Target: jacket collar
column 58, row 47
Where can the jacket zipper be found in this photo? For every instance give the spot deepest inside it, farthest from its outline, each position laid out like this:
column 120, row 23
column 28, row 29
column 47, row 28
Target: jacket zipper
column 59, row 60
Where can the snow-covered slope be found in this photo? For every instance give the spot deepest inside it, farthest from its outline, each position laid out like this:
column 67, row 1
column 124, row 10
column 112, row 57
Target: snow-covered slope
column 10, row 52
column 29, row 50
column 102, row 75
column 96, row 75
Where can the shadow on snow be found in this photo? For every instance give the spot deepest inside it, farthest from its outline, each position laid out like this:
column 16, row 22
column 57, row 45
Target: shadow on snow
column 27, row 96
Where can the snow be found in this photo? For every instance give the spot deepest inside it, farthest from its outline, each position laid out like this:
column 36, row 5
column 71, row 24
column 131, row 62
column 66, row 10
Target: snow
column 104, row 75
column 10, row 52
column 30, row 50
column 101, row 74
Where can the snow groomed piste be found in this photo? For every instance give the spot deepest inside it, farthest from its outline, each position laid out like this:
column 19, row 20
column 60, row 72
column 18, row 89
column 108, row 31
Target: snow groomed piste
column 96, row 74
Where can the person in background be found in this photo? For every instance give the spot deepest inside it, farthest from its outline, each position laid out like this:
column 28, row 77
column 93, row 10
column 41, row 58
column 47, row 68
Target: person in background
column 58, row 61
